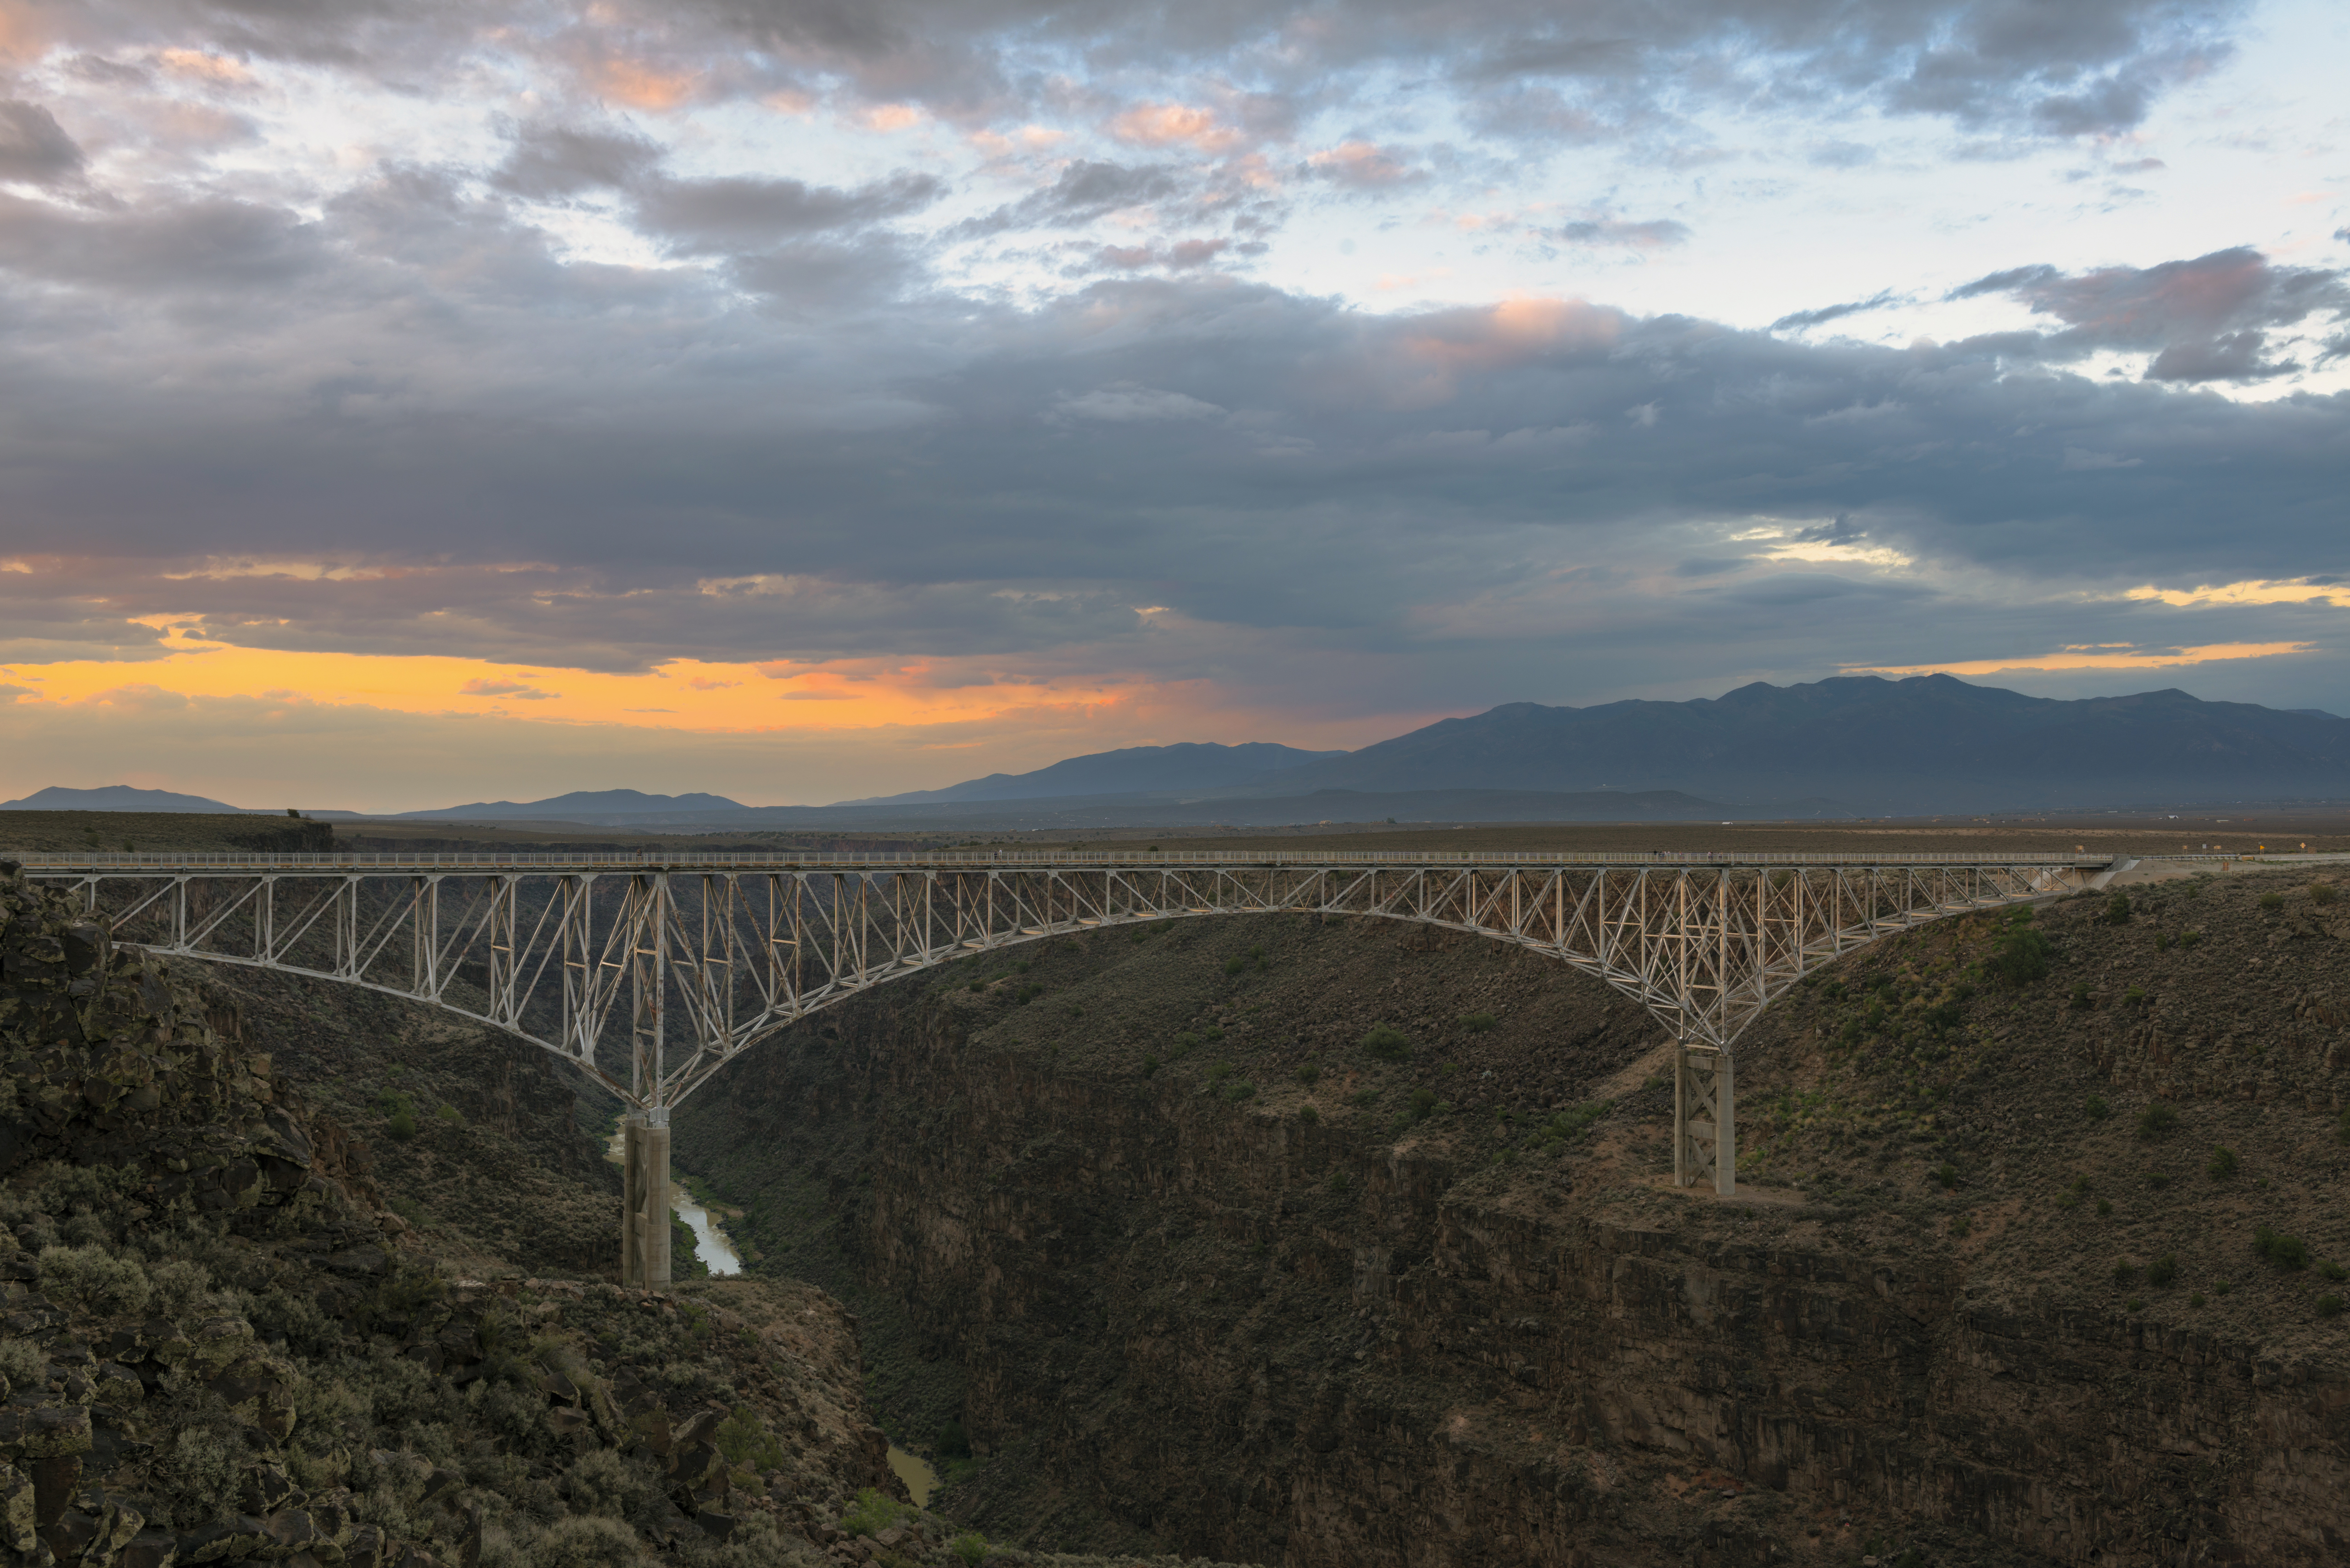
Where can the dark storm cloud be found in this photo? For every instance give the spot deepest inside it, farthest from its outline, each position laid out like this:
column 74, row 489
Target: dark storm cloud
column 33, row 147
column 612, row 466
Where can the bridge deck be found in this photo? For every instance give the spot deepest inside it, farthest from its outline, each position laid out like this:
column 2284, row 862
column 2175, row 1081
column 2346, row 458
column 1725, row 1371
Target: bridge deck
column 53, row 864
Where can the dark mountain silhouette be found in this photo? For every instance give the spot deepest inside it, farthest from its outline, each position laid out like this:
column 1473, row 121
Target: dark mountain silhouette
column 1189, row 765
column 583, row 804
column 1928, row 742
column 113, row 798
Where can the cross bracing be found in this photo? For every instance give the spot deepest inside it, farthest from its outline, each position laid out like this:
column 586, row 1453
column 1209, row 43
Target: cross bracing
column 651, row 974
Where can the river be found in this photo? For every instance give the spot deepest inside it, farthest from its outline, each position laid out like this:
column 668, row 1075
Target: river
column 710, row 1242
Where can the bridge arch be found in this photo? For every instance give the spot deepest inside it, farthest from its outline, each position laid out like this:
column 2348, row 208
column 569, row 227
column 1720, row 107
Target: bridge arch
column 653, row 974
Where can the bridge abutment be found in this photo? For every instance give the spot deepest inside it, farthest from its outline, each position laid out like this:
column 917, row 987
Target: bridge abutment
column 644, row 1202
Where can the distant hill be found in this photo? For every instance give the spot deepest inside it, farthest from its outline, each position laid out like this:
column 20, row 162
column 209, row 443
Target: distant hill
column 583, row 805
column 1132, row 770
column 113, row 798
column 1926, row 743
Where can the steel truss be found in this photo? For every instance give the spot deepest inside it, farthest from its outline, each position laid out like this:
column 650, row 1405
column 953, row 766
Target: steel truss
column 705, row 959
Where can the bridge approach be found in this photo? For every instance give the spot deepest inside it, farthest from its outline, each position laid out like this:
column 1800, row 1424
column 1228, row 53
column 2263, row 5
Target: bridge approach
column 651, row 972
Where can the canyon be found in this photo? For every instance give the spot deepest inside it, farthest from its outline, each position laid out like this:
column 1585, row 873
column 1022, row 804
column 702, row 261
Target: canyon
column 1450, row 1311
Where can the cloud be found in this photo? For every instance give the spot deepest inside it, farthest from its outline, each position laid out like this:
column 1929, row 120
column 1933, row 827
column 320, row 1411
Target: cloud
column 1363, row 166
column 1803, row 319
column 1086, row 189
column 549, row 161
column 522, row 689
column 2204, row 319
column 703, row 216
column 1655, row 234
column 33, row 148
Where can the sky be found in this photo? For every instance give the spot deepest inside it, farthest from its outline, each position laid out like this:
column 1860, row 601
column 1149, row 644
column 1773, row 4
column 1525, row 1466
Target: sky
column 405, row 404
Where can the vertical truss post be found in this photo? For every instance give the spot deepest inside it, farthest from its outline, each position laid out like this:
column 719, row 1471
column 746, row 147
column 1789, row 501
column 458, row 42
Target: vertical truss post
column 1705, row 1135
column 424, row 934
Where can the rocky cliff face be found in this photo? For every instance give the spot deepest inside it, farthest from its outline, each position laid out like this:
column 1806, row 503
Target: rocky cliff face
column 1198, row 1266
column 216, row 1345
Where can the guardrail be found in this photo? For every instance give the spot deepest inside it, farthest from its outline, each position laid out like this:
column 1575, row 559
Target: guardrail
column 1021, row 859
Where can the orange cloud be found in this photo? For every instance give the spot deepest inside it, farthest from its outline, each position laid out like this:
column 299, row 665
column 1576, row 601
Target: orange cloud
column 682, row 695
column 2106, row 656
column 640, row 84
column 1168, row 124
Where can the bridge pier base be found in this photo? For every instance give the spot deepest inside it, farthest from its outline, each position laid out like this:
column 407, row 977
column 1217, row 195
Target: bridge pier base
column 644, row 1202
column 1705, row 1110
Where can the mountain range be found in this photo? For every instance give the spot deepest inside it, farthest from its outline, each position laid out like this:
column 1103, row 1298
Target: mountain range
column 1852, row 745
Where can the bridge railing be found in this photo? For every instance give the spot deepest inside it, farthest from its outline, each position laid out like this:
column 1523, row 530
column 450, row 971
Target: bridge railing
column 503, row 860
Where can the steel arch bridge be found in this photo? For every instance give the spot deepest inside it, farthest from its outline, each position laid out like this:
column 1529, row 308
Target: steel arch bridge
column 696, row 959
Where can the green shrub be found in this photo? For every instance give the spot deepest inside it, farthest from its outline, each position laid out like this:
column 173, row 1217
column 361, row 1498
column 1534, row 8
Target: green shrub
column 2133, row 1305
column 1218, row 1071
column 2134, row 997
column 2329, row 1305
column 2117, row 909
column 1945, row 1175
column 453, row 1116
column 2334, row 1271
column 2081, row 1000
column 177, row 1285
column 745, row 1441
column 2189, row 939
column 2284, row 1252
column 2105, row 1208
column 955, row 1442
column 2018, row 955
column 970, row 1546
column 1961, row 1224
column 1386, row 1043
column 2163, row 1270
column 1308, row 1113
column 1240, row 1090
column 1336, row 1182
column 1423, row 1104
column 2321, row 892
column 2341, row 1128
column 2272, row 901
column 589, row 1541
column 1235, row 964
column 1150, row 1064
column 22, row 1363
column 1478, row 1022
column 2124, row 1273
column 1309, row 1072
column 2157, row 1120
column 2096, row 1110
column 872, row 1513
column 2223, row 1287
column 2158, row 1180
column 2222, row 1163
column 106, row 1284
column 2196, row 1300
column 2162, row 940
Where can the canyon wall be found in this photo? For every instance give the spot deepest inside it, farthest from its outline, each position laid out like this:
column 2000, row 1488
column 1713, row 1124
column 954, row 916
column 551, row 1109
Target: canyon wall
column 1320, row 1339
